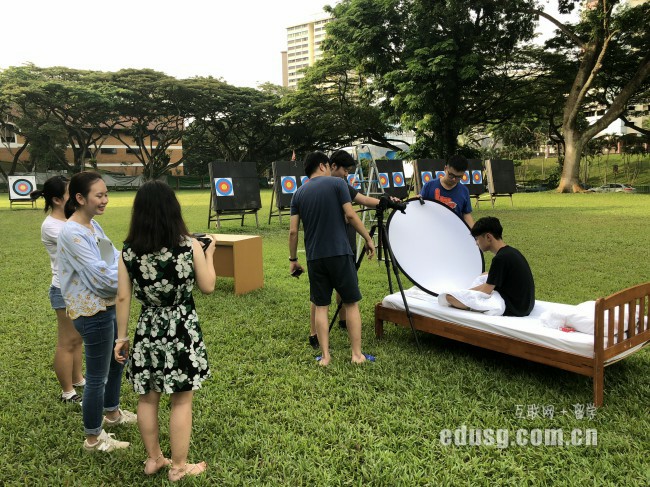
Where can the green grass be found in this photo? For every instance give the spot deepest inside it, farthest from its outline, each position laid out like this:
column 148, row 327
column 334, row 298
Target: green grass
column 271, row 416
column 632, row 169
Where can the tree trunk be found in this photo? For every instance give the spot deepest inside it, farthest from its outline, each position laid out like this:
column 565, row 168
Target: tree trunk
column 571, row 170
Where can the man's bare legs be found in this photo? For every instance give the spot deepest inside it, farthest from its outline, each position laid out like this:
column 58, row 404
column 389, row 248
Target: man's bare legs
column 354, row 331
column 323, row 331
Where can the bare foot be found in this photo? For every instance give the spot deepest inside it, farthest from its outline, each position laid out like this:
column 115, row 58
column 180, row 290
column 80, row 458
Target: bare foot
column 153, row 465
column 358, row 359
column 193, row 469
column 324, row 361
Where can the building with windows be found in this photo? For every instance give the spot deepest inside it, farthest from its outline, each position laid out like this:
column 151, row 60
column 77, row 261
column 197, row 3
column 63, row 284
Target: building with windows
column 108, row 154
column 303, row 48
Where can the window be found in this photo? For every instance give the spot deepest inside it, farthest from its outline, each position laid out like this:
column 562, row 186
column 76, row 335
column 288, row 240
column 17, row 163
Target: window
column 108, row 151
column 133, row 151
column 7, row 135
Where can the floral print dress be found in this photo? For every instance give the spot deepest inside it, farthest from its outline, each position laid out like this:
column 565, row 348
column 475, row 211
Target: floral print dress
column 168, row 353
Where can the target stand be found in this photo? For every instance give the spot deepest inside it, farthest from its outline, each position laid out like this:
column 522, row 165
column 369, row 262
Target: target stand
column 20, row 187
column 234, row 192
column 288, row 176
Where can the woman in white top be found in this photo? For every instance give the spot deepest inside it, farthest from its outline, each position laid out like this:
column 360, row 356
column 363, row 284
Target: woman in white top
column 67, row 356
column 88, row 276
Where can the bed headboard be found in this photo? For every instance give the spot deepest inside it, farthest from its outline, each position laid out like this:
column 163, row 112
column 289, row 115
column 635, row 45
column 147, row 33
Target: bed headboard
column 615, row 314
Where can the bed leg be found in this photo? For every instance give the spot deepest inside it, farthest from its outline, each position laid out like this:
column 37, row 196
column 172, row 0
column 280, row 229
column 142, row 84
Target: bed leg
column 599, row 384
column 379, row 326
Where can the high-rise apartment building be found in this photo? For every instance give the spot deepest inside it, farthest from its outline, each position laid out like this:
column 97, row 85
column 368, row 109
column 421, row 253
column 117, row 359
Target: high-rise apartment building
column 303, row 49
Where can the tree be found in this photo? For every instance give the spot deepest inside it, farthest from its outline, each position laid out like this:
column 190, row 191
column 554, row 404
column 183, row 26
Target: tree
column 332, row 108
column 235, row 124
column 610, row 50
column 438, row 68
column 151, row 110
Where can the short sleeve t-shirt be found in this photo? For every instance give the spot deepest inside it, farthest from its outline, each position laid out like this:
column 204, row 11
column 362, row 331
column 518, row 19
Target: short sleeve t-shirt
column 319, row 203
column 50, row 230
column 511, row 276
column 456, row 198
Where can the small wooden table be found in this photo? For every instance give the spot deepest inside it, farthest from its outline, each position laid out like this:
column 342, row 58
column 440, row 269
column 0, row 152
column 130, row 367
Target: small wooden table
column 240, row 256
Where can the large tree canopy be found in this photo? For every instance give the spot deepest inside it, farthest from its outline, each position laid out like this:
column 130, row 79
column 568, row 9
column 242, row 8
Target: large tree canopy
column 436, row 68
column 609, row 50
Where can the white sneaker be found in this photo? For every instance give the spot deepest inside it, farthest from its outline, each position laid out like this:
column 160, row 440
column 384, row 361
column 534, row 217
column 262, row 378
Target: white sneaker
column 126, row 417
column 105, row 443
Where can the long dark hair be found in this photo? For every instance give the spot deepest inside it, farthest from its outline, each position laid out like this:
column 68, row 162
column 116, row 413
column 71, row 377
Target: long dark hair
column 80, row 183
column 54, row 187
column 156, row 219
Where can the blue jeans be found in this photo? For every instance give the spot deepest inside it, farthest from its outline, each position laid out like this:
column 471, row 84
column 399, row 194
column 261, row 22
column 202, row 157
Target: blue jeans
column 103, row 372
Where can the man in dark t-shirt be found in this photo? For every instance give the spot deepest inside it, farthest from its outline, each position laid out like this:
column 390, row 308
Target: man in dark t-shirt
column 323, row 205
column 509, row 274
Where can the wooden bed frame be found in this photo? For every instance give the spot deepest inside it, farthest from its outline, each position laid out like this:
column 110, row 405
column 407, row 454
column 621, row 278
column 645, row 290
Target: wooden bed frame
column 635, row 300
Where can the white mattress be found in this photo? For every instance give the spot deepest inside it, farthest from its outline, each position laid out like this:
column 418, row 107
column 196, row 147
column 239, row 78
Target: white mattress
column 527, row 328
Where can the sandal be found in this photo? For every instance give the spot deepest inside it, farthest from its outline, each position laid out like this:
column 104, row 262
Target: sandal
column 193, row 469
column 166, row 463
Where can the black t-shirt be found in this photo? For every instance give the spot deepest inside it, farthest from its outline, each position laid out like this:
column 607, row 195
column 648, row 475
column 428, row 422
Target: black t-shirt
column 319, row 203
column 512, row 278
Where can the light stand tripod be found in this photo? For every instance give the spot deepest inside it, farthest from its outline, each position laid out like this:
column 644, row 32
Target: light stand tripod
column 389, row 258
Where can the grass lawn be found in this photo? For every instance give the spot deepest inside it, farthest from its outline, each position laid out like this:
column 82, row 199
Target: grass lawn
column 271, row 416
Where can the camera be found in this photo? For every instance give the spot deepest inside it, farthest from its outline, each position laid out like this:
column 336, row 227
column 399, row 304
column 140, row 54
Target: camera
column 203, row 239
column 385, row 202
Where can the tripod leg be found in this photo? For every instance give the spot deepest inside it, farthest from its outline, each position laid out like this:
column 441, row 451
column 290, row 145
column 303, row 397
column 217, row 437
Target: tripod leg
column 389, row 255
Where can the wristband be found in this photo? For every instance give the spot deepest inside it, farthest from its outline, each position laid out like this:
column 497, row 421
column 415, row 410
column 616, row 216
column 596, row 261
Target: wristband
column 121, row 340
column 293, row 260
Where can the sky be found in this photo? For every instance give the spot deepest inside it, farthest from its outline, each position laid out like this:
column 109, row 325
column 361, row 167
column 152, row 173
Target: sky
column 238, row 40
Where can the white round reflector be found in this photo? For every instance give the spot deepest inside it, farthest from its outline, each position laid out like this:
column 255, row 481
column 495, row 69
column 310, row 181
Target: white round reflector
column 433, row 247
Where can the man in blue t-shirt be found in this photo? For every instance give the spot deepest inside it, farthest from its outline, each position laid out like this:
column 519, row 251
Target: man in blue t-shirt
column 446, row 190
column 323, row 205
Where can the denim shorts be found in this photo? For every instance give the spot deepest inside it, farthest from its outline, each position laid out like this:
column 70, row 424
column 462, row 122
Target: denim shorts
column 56, row 299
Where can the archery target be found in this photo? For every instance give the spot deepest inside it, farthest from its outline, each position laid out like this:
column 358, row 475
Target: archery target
column 398, row 179
column 440, row 174
column 288, row 184
column 383, row 180
column 303, row 179
column 477, row 177
column 21, row 186
column 223, row 187
column 433, row 247
column 465, row 179
column 426, row 177
column 353, row 181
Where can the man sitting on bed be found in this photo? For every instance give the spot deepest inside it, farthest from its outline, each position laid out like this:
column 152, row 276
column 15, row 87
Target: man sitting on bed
column 508, row 286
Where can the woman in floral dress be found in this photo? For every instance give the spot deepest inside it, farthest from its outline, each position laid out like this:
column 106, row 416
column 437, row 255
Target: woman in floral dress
column 160, row 264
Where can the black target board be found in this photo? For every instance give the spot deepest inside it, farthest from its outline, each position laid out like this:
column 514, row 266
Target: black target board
column 235, row 186
column 391, row 178
column 288, row 176
column 427, row 170
column 500, row 175
column 476, row 177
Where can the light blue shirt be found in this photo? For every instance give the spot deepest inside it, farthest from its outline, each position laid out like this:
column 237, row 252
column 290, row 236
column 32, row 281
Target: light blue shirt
column 88, row 283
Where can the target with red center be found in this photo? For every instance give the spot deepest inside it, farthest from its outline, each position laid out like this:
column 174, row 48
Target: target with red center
column 440, row 174
column 383, row 180
column 398, row 179
column 288, row 184
column 477, row 177
column 223, row 187
column 465, row 179
column 303, row 179
column 21, row 186
column 353, row 181
column 426, row 176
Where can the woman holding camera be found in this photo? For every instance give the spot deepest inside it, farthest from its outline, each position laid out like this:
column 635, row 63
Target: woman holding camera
column 160, row 263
